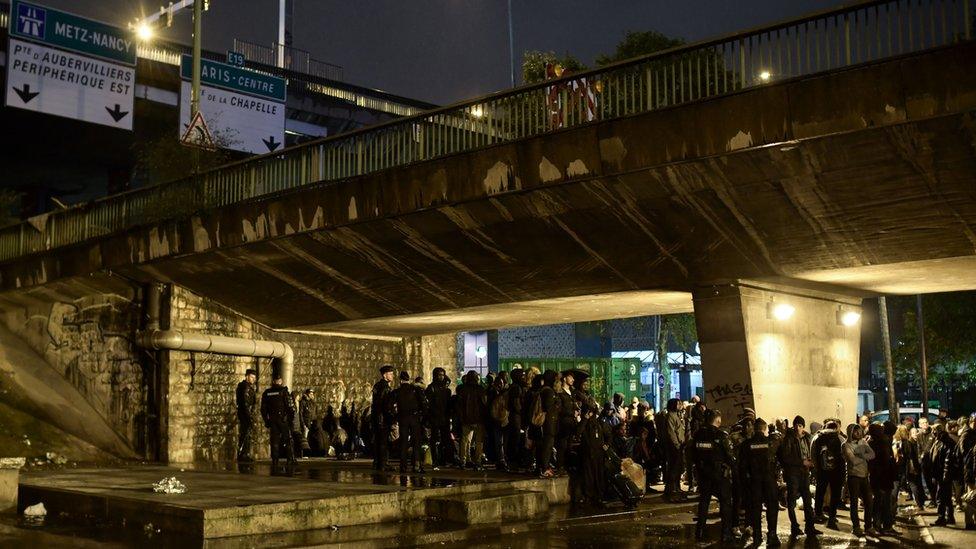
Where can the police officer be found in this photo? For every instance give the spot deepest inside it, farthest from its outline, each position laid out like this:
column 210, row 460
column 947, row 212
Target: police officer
column 379, row 417
column 409, row 406
column 712, row 452
column 278, row 411
column 247, row 401
column 758, row 470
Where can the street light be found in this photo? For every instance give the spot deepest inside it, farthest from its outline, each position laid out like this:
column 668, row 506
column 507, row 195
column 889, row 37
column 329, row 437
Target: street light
column 765, row 76
column 781, row 311
column 144, row 32
column 849, row 318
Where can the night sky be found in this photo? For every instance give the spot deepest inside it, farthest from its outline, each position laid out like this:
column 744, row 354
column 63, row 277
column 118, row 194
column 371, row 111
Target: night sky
column 449, row 50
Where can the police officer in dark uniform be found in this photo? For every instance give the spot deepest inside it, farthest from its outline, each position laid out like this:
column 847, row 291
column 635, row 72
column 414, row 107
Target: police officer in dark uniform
column 247, row 402
column 758, row 460
column 410, row 406
column 712, row 451
column 278, row 411
column 379, row 418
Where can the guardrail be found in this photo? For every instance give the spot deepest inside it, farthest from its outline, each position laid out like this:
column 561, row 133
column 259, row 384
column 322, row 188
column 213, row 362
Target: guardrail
column 849, row 35
column 297, row 60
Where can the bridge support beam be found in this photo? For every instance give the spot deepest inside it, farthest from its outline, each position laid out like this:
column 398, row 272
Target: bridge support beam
column 756, row 355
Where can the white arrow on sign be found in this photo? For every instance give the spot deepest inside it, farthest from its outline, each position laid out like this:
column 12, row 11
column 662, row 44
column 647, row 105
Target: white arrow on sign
column 52, row 81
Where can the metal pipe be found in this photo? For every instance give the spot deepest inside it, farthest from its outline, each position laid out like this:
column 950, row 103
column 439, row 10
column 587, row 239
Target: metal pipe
column 177, row 340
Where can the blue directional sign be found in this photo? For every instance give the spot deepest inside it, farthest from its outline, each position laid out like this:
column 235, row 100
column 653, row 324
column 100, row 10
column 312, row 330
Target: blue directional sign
column 71, row 32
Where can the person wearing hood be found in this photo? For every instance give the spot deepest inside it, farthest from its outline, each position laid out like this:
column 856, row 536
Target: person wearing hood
column 828, row 463
column 794, row 456
column 550, row 407
column 945, row 468
column 438, row 395
column 881, row 477
column 515, row 437
column 857, row 454
column 472, row 404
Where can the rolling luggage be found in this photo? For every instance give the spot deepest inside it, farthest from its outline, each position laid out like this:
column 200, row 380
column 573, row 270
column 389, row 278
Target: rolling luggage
column 625, row 489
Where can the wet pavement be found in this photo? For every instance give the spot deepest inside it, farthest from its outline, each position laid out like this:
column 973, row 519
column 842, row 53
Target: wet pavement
column 654, row 524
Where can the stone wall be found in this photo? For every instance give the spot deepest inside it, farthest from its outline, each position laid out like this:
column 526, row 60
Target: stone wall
column 88, row 342
column 202, row 417
column 423, row 354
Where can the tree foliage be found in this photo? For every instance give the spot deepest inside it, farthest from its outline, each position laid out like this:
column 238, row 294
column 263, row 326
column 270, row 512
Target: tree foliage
column 950, row 341
column 637, row 43
column 163, row 158
column 534, row 64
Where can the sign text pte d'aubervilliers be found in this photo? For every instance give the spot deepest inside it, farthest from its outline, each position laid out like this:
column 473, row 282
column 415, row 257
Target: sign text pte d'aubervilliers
column 62, row 64
column 244, row 109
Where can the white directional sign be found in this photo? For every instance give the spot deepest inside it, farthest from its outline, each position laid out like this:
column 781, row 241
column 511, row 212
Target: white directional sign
column 65, row 65
column 245, row 110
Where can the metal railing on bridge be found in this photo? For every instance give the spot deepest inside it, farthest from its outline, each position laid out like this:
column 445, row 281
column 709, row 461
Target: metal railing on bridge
column 842, row 37
column 295, row 59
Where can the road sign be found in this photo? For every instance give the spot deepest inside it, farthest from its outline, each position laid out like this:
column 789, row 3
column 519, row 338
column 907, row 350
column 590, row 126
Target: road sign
column 236, row 59
column 197, row 134
column 62, row 64
column 245, row 110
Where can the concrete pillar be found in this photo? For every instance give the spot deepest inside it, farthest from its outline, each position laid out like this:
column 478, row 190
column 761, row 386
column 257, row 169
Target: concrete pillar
column 806, row 364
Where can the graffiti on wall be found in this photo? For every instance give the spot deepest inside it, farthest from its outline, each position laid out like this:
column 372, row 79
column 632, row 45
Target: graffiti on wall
column 731, row 396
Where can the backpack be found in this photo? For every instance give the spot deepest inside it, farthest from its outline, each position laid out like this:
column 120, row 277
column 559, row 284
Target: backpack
column 538, row 415
column 499, row 409
column 828, row 459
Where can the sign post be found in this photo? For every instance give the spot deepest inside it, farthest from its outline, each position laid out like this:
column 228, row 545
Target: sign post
column 244, row 109
column 62, row 64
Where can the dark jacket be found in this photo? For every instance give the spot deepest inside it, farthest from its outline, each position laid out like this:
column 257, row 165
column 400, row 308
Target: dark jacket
column 793, row 449
column 516, row 402
column 758, row 460
column 247, row 399
column 472, row 402
column 277, row 406
column 712, row 453
column 407, row 401
column 438, row 403
column 378, row 414
column 826, row 452
column 967, row 455
column 882, row 470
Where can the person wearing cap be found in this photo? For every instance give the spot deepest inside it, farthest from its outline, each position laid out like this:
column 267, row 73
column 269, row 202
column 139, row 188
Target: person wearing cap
column 278, row 412
column 379, row 418
column 247, row 401
column 794, row 456
column 409, row 405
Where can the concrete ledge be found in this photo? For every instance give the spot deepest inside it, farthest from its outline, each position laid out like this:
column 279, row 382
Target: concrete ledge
column 9, row 479
column 220, row 505
column 489, row 508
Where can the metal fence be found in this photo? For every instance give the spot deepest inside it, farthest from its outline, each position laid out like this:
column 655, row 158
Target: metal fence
column 295, row 59
column 846, row 36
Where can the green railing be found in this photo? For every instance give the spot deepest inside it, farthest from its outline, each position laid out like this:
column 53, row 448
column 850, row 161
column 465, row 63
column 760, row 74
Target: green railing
column 828, row 40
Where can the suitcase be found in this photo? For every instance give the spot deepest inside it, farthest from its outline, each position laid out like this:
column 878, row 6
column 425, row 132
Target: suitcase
column 625, row 489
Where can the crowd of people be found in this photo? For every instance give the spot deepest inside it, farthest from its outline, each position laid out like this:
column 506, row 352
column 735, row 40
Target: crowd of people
column 548, row 424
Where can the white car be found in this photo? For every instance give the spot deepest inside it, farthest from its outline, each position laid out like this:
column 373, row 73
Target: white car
column 914, row 413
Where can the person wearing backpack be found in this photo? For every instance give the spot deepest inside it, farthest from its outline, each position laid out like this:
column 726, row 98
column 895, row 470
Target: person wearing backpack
column 829, row 467
column 499, row 412
column 472, row 407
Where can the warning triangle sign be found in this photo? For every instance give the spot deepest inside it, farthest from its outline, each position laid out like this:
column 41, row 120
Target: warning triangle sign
column 197, row 134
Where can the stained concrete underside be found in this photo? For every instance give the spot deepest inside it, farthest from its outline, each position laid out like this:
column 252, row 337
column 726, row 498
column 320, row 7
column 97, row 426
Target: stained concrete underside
column 862, row 179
